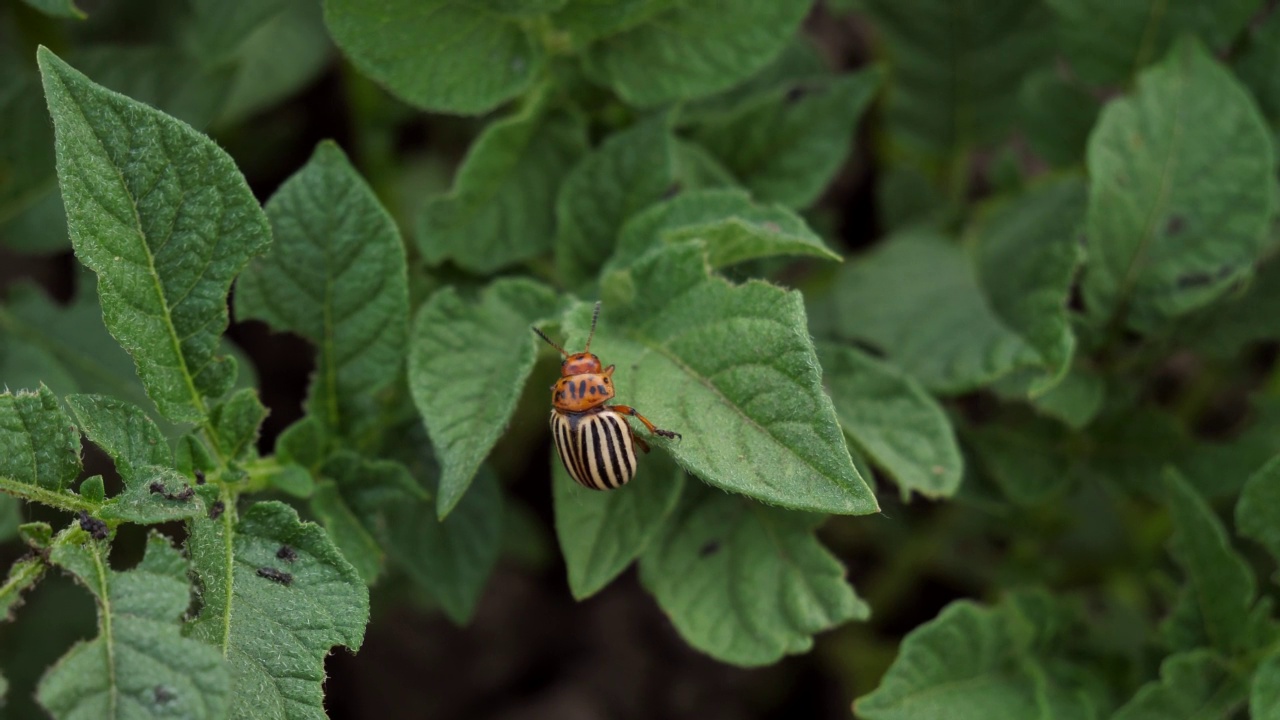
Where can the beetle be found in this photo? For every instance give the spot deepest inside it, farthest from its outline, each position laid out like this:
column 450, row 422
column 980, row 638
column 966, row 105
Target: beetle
column 594, row 440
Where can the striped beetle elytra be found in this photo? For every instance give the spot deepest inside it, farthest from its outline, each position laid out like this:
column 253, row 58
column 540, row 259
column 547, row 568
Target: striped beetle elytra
column 594, row 440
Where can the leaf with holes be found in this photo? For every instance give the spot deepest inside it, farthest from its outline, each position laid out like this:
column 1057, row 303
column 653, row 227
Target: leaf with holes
column 154, row 492
column 278, row 596
column 165, row 219
column 140, row 665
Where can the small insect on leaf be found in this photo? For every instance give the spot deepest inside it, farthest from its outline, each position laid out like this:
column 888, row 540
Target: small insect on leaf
column 287, row 553
column 95, row 527
column 593, row 439
column 275, row 575
column 216, row 510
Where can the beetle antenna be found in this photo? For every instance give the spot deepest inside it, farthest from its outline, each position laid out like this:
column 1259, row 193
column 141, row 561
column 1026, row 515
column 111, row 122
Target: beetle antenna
column 549, row 341
column 594, row 317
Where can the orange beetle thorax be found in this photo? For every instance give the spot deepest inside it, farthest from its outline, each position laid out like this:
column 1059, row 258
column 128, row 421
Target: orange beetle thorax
column 583, row 385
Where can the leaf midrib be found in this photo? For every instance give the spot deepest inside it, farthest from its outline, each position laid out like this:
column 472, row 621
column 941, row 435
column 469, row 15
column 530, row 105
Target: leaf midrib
column 176, row 346
column 659, row 349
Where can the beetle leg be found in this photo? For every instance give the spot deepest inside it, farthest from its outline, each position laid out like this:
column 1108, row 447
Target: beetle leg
column 628, row 410
column 639, row 441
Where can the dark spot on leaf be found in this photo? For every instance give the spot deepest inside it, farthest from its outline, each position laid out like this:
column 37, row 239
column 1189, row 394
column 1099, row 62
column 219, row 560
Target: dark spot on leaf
column 275, row 575
column 1175, row 225
column 156, row 487
column 95, row 527
column 216, row 510
column 796, row 94
column 199, row 477
column 1193, row 280
column 163, row 695
column 287, row 553
column 672, row 190
column 709, row 549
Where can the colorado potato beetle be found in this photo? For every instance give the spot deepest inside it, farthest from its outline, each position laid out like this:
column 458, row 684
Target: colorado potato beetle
column 595, row 442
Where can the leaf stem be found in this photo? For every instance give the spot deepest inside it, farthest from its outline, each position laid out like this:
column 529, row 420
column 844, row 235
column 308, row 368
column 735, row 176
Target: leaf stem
column 68, row 501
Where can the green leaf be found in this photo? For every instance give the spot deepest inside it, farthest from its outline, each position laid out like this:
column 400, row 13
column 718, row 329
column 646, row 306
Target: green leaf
column 732, row 368
column 57, row 8
column 1182, row 193
column 785, row 145
column 272, row 613
column 1227, row 326
column 78, row 353
column 1219, row 581
column 353, row 300
column 215, row 29
column 39, row 448
column 162, row 77
column 1254, row 63
column 23, row 575
column 283, row 56
column 348, row 499
column 26, row 165
column 945, row 332
column 1258, row 510
column 973, row 662
column 893, row 421
column 10, row 517
column 440, row 55
column 1108, row 42
column 452, row 559
column 693, row 48
column 600, row 533
column 954, row 71
column 237, row 421
column 1026, row 254
column 165, row 219
column 122, row 430
column 631, row 170
column 348, row 533
column 467, row 364
column 1196, row 684
column 1264, row 697
column 734, row 228
column 744, row 582
column 141, row 456
column 1027, row 458
column 501, row 209
column 140, row 665
column 587, row 20
column 1057, row 115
